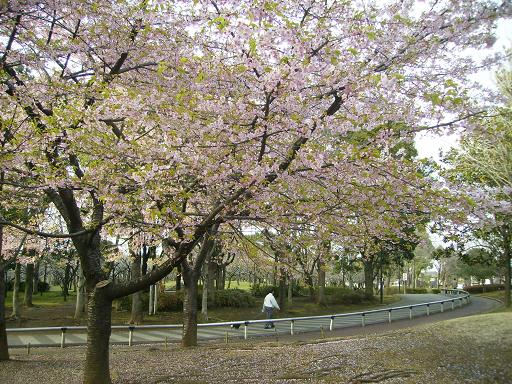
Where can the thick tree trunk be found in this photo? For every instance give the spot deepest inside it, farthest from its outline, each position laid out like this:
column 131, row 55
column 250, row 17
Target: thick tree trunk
column 4, row 347
column 368, row 277
column 16, row 292
column 98, row 336
column 35, row 289
column 29, row 281
column 137, row 315
column 321, row 283
column 80, row 297
column 190, row 280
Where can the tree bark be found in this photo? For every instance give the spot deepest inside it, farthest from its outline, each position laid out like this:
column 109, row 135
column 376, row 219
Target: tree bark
column 151, row 296
column 80, row 296
column 282, row 289
column 368, row 276
column 210, row 281
column 321, row 283
column 65, row 286
column 507, row 256
column 178, row 278
column 290, row 290
column 29, row 281
column 4, row 347
column 98, row 336
column 309, row 282
column 190, row 279
column 137, row 315
column 35, row 289
column 206, row 288
column 16, row 292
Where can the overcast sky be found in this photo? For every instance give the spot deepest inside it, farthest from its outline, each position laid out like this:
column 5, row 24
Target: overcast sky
column 429, row 145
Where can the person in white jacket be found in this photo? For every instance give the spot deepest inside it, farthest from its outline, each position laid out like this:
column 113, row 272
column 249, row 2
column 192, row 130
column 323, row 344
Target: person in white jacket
column 269, row 303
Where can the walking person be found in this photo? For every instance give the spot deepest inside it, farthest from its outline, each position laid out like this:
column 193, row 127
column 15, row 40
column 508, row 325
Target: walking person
column 269, row 303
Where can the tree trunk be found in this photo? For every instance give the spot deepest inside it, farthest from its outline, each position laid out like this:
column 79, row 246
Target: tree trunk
column 508, row 258
column 190, row 279
column 368, row 277
column 290, row 290
column 178, row 278
column 414, row 274
column 151, row 296
column 137, row 309
column 16, row 292
column 206, row 289
column 309, row 282
column 65, row 287
column 4, row 347
column 98, row 336
column 210, row 282
column 29, row 281
column 282, row 289
column 35, row 289
column 80, row 297
column 321, row 283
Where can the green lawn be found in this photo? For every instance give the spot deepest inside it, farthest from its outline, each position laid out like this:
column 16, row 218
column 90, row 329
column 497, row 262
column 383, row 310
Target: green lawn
column 497, row 295
column 51, row 310
column 46, row 299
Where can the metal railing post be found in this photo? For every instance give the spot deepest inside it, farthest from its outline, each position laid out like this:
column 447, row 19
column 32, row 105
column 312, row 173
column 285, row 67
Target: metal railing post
column 291, row 327
column 63, row 337
column 331, row 324
column 428, row 309
column 130, row 335
column 453, row 306
column 389, row 316
column 245, row 330
column 410, row 313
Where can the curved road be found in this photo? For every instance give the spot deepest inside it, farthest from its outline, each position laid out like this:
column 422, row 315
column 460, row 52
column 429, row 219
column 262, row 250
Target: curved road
column 303, row 329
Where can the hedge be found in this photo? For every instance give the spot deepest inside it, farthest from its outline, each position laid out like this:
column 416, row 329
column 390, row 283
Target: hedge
column 484, row 288
column 41, row 286
column 338, row 295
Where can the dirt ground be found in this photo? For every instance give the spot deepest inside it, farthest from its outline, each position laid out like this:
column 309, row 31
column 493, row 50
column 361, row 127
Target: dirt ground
column 475, row 349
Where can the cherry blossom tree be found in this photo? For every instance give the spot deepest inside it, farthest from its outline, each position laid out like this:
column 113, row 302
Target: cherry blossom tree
column 177, row 116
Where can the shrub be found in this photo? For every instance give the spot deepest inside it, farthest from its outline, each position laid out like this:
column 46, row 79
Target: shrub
column 262, row 290
column 416, row 290
column 234, row 298
column 42, row 286
column 225, row 298
column 436, row 290
column 393, row 290
column 484, row 288
column 125, row 303
column 173, row 301
column 348, row 296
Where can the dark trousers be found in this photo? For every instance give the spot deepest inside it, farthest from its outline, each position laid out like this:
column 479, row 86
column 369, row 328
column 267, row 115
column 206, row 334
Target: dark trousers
column 268, row 311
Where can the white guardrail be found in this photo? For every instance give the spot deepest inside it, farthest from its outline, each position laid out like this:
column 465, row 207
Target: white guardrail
column 342, row 320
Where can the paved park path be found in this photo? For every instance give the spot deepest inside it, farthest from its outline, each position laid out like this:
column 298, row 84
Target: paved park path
column 302, row 329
